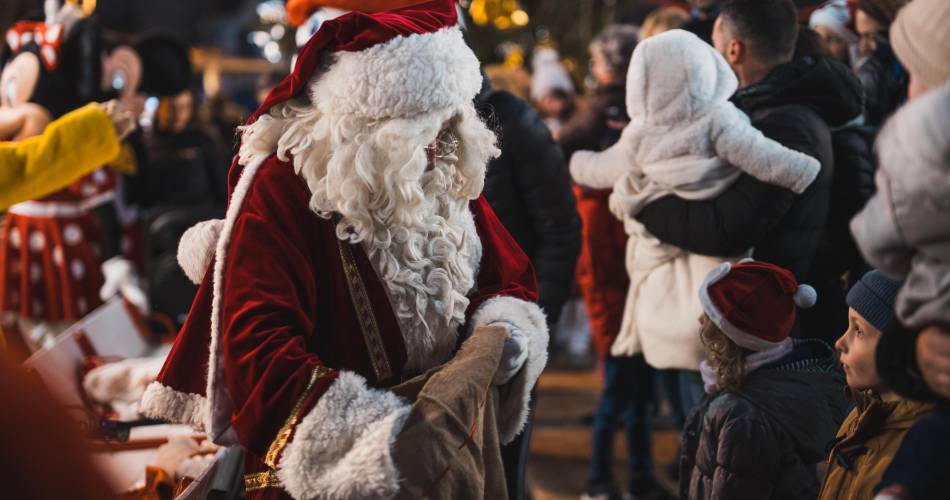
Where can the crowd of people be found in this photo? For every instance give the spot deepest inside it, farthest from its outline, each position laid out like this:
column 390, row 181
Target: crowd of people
column 734, row 132
column 746, row 205
column 737, row 131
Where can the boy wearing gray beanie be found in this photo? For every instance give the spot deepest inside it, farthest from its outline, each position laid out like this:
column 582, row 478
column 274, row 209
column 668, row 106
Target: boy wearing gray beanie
column 881, row 417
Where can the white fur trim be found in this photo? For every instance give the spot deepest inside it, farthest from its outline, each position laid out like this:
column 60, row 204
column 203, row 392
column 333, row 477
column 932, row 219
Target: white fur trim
column 406, row 76
column 196, row 248
column 516, row 394
column 160, row 401
column 738, row 336
column 259, row 139
column 342, row 447
column 211, row 412
column 219, row 408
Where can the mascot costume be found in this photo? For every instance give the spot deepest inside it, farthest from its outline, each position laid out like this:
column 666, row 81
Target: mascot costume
column 56, row 262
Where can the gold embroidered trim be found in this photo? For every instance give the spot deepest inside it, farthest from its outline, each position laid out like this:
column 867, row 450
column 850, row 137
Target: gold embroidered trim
column 364, row 312
column 261, row 480
column 283, row 435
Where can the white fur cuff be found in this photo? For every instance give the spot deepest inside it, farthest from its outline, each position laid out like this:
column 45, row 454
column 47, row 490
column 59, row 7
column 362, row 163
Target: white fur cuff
column 196, row 248
column 516, row 394
column 343, row 447
column 160, row 401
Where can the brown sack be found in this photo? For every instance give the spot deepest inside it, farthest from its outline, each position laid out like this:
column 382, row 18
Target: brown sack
column 449, row 447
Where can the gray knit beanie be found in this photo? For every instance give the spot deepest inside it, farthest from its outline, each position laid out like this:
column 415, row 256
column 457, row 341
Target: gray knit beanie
column 873, row 298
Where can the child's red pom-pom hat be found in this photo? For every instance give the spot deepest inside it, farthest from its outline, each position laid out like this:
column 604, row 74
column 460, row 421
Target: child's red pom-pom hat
column 754, row 302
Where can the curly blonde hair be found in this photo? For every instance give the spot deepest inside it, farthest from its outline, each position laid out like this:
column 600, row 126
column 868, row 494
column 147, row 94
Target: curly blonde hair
column 725, row 356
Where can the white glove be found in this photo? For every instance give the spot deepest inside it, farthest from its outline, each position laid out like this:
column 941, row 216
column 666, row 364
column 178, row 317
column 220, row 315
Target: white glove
column 120, row 278
column 513, row 356
column 122, row 121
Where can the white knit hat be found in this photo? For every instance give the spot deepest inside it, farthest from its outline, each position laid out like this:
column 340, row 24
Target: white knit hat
column 920, row 37
column 835, row 16
column 548, row 74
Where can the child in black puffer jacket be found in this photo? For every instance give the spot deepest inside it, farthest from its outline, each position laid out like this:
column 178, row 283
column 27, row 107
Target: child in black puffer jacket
column 772, row 404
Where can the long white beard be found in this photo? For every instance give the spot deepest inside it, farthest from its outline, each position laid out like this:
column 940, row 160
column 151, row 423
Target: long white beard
column 428, row 267
column 415, row 225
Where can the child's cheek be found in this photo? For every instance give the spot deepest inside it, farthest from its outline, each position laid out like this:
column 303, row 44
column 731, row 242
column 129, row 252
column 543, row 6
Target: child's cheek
column 860, row 365
column 867, row 365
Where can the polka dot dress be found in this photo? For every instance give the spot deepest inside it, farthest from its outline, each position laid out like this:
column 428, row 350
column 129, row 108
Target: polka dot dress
column 49, row 267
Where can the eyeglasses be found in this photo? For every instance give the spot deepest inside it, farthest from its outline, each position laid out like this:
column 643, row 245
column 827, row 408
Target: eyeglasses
column 445, row 145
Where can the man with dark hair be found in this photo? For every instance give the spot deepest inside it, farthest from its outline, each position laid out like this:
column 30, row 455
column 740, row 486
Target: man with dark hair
column 795, row 102
column 756, row 37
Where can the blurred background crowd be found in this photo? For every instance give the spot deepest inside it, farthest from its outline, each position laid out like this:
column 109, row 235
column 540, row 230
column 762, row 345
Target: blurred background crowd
column 556, row 83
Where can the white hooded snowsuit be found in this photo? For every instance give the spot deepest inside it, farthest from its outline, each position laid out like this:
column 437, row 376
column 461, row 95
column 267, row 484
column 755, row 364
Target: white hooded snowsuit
column 685, row 138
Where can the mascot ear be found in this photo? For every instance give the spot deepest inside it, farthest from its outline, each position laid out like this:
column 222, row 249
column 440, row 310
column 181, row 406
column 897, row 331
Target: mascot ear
column 166, row 69
column 82, row 58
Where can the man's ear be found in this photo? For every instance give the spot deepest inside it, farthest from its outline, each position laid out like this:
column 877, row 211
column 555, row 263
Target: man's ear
column 735, row 52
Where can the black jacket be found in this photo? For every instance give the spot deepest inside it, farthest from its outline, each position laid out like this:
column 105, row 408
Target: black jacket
column 852, row 187
column 764, row 441
column 589, row 128
column 797, row 104
column 885, row 83
column 529, row 188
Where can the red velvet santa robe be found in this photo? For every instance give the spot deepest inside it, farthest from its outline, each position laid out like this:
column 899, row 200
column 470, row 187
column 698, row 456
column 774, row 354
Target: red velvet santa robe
column 294, row 372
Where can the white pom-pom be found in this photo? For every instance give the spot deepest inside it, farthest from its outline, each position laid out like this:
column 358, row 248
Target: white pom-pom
column 805, row 296
column 196, row 248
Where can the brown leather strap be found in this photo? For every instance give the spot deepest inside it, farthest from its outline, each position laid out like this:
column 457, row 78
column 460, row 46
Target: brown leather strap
column 365, row 314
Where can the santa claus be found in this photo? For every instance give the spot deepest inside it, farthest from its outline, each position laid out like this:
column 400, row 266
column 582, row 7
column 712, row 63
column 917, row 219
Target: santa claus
column 356, row 252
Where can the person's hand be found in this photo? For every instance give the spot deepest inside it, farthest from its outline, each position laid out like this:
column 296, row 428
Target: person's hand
column 514, row 354
column 178, row 449
column 122, row 121
column 933, row 358
column 121, row 278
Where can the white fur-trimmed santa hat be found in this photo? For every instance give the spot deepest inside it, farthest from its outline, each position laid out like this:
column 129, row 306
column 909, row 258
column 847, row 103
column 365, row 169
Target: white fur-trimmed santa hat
column 392, row 64
column 754, row 303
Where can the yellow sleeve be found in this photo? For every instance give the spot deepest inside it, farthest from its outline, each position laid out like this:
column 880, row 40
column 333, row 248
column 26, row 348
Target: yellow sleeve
column 125, row 162
column 70, row 147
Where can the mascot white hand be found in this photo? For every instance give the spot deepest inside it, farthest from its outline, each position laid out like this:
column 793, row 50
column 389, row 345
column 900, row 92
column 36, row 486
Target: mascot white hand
column 121, row 279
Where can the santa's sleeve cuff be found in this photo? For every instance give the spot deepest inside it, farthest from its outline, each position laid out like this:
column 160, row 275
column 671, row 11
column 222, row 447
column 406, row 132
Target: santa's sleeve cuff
column 163, row 402
column 342, row 447
column 196, row 248
column 515, row 396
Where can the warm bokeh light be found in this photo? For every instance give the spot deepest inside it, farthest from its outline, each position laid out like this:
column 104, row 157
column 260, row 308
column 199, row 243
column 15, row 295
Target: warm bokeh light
column 519, row 18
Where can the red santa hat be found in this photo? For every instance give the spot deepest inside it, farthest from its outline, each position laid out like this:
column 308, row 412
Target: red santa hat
column 409, row 62
column 754, row 302
column 397, row 63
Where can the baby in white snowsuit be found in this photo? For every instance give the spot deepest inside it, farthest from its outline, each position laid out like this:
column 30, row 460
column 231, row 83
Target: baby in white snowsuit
column 685, row 138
